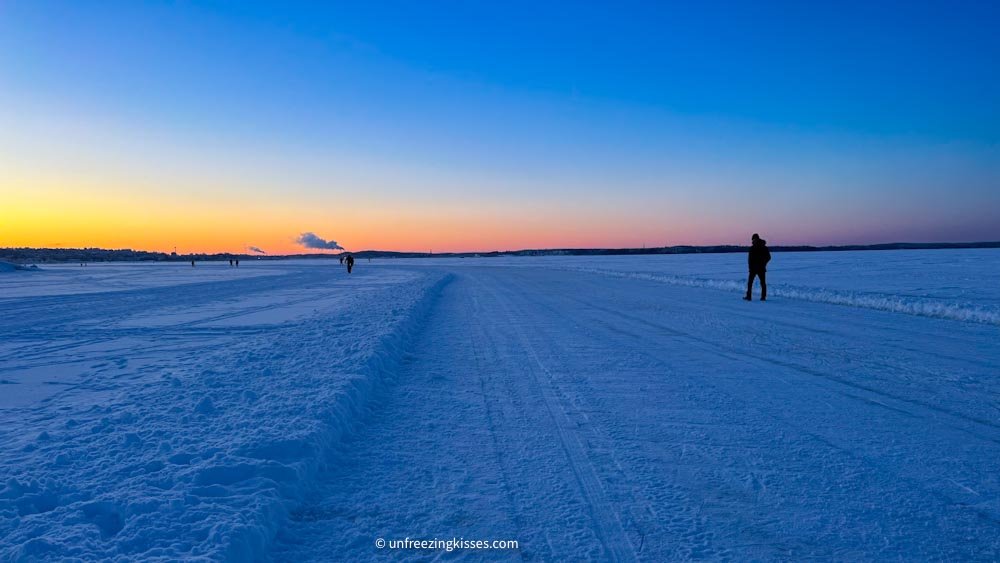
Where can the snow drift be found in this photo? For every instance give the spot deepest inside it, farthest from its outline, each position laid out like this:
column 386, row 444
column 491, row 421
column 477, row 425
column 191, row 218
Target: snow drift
column 869, row 300
column 9, row 267
column 205, row 461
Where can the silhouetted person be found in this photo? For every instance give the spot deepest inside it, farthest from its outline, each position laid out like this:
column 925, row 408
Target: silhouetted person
column 341, row 260
column 757, row 259
column 237, row 262
column 192, row 263
column 350, row 263
column 230, row 262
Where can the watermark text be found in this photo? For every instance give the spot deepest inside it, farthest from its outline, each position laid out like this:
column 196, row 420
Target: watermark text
column 450, row 544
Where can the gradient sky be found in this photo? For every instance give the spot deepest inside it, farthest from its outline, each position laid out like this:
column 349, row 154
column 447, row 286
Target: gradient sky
column 211, row 126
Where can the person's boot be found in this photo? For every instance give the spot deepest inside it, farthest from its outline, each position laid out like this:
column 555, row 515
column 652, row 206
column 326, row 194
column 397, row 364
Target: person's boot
column 746, row 298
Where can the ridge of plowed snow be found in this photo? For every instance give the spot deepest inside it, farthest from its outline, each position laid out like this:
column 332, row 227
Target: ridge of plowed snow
column 204, row 460
column 867, row 300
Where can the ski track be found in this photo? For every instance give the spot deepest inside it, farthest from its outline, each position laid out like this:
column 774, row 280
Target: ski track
column 630, row 421
column 300, row 415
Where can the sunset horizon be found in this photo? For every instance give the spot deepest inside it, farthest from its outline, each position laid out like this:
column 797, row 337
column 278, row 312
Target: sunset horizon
column 597, row 281
column 215, row 127
column 299, row 250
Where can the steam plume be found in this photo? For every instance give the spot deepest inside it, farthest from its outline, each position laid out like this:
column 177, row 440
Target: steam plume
column 310, row 240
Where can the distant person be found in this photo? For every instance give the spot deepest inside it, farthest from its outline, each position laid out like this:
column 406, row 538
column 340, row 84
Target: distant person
column 757, row 259
column 350, row 263
column 341, row 260
column 192, row 263
column 237, row 262
column 230, row 262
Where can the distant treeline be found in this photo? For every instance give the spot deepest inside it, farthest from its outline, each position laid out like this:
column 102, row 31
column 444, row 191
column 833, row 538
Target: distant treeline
column 675, row 250
column 40, row 255
column 735, row 248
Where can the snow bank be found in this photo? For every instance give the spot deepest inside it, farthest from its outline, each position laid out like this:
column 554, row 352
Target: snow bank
column 207, row 461
column 9, row 267
column 893, row 303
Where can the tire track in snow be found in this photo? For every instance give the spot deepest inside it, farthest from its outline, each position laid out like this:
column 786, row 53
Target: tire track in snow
column 720, row 348
column 494, row 415
column 675, row 531
column 983, row 515
column 427, row 462
column 714, row 498
column 616, row 542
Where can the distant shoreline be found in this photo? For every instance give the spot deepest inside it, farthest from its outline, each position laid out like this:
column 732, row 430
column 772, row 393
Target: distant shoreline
column 71, row 255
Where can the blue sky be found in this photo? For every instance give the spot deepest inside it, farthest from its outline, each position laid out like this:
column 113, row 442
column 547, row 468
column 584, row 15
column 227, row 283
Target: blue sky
column 472, row 126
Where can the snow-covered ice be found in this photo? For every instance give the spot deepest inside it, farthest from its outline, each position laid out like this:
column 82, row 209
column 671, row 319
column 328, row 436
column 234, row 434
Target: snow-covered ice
column 183, row 418
column 619, row 408
column 7, row 267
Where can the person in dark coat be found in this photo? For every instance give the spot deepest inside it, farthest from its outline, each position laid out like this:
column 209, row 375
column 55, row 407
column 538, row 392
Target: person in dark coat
column 757, row 259
column 350, row 263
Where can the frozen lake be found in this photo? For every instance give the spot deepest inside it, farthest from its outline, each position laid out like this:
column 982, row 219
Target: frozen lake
column 623, row 408
column 946, row 283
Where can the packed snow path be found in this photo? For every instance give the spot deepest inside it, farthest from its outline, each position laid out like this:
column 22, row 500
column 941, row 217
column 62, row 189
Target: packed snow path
column 598, row 418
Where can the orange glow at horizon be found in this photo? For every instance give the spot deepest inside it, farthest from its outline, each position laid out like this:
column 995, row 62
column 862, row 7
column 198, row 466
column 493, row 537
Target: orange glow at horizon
column 62, row 218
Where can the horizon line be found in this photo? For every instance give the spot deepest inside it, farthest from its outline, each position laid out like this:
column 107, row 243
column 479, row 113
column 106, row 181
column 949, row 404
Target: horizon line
column 637, row 250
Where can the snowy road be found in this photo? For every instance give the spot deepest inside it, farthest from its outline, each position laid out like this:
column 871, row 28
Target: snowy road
column 287, row 411
column 629, row 420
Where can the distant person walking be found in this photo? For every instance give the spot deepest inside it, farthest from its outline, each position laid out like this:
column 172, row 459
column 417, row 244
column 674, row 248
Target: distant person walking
column 757, row 259
column 230, row 262
column 192, row 263
column 237, row 262
column 350, row 263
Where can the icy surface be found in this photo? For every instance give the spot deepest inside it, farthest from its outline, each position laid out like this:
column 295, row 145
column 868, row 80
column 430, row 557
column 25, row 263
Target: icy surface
column 74, row 279
column 624, row 408
column 936, row 283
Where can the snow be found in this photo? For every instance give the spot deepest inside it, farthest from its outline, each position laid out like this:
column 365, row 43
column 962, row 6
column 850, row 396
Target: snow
column 936, row 283
column 127, row 435
column 625, row 408
column 7, row 267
